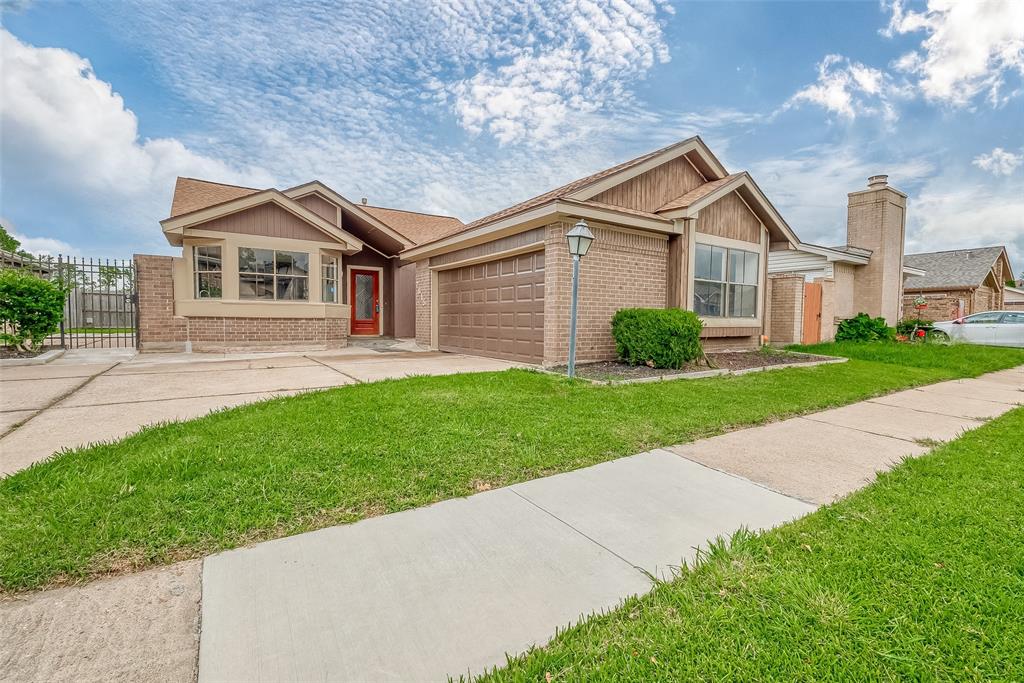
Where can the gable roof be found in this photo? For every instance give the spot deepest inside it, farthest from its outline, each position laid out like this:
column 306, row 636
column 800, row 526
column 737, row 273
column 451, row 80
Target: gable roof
column 956, row 269
column 697, row 193
column 577, row 188
column 192, row 194
column 174, row 226
column 315, row 186
column 418, row 227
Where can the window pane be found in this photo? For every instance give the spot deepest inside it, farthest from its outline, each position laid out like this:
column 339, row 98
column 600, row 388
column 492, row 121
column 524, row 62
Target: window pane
column 1013, row 319
column 717, row 264
column 292, row 288
column 208, row 286
column 736, row 262
column 983, row 318
column 330, row 291
column 292, row 263
column 256, row 286
column 329, row 266
column 255, row 260
column 364, row 297
column 207, row 259
column 708, row 298
column 702, row 265
column 750, row 271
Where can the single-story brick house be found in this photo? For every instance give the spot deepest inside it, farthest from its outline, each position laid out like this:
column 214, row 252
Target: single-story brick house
column 306, row 267
column 957, row 283
column 299, row 268
column 673, row 229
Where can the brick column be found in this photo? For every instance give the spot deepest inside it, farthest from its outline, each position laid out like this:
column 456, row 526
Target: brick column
column 159, row 328
column 787, row 301
column 424, row 305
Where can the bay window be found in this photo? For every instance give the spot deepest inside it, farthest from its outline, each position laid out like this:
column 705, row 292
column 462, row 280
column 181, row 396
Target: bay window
column 329, row 277
column 273, row 275
column 207, row 268
column 725, row 282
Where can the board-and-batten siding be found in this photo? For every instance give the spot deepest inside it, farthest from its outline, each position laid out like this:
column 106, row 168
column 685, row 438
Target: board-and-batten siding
column 799, row 262
column 266, row 220
column 651, row 190
column 729, row 217
column 321, row 207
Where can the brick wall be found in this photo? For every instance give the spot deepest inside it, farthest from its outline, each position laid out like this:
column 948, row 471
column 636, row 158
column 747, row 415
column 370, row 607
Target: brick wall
column 160, row 329
column 941, row 305
column 154, row 281
column 875, row 221
column 787, row 302
column 423, row 304
column 622, row 270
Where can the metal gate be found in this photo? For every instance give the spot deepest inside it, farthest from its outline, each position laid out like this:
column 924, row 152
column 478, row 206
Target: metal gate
column 101, row 306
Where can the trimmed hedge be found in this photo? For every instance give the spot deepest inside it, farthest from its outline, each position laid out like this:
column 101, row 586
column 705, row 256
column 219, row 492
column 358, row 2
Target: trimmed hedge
column 659, row 337
column 30, row 308
column 864, row 328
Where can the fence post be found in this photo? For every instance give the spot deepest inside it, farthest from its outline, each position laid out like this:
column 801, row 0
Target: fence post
column 67, row 303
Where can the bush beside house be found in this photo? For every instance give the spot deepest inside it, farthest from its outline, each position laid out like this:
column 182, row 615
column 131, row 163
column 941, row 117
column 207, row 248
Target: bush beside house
column 864, row 328
column 658, row 337
column 30, row 309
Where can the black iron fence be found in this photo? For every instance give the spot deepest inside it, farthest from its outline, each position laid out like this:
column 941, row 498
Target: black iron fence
column 101, row 306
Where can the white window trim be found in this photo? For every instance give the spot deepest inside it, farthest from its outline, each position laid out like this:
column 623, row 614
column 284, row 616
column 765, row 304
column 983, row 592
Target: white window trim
column 339, row 274
column 239, row 273
column 761, row 249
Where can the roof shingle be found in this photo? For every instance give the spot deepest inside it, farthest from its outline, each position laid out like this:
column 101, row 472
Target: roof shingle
column 960, row 268
column 192, row 194
column 418, row 227
column 697, row 193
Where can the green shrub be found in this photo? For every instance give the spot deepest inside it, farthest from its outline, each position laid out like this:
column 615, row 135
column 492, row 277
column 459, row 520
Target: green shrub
column 905, row 327
column 660, row 337
column 30, row 308
column 863, row 327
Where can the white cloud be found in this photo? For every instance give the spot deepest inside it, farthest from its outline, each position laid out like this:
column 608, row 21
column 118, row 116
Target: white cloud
column 850, row 89
column 809, row 187
column 45, row 245
column 999, row 161
column 63, row 124
column 971, row 48
column 949, row 213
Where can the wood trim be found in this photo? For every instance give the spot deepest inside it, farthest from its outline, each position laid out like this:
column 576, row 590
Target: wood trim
column 488, row 250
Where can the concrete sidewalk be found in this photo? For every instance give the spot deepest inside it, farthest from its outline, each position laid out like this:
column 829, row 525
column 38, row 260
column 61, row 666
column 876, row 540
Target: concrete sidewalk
column 450, row 589
column 105, row 394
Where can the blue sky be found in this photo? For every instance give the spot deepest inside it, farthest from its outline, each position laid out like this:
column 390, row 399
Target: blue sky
column 465, row 107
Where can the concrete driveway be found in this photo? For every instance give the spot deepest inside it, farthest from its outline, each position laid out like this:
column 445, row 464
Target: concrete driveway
column 103, row 394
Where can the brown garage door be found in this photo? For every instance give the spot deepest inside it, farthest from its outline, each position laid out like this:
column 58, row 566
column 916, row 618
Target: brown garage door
column 494, row 309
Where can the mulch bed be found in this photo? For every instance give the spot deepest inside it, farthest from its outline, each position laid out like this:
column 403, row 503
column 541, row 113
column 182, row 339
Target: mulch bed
column 733, row 360
column 11, row 352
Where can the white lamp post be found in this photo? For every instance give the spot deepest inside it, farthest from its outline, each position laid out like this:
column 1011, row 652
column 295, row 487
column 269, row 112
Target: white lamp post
column 579, row 239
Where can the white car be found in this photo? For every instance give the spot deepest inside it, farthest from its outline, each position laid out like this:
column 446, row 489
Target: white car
column 994, row 328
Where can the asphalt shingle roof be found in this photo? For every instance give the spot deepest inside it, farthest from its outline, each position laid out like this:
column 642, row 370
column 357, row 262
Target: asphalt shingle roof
column 959, row 268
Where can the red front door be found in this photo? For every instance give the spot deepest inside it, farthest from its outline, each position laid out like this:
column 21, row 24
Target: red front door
column 364, row 296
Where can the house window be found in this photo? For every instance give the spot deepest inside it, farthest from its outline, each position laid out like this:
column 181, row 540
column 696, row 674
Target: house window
column 273, row 275
column 329, row 270
column 725, row 282
column 207, row 267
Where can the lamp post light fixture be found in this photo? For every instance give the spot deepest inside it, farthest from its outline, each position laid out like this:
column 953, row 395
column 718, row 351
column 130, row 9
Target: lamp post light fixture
column 580, row 239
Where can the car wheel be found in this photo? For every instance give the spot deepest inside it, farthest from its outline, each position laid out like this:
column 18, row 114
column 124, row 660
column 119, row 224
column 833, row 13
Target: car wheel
column 938, row 336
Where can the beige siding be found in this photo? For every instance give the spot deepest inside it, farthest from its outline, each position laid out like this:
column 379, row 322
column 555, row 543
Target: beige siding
column 321, row 207
column 267, row 220
column 651, row 190
column 730, row 217
column 518, row 241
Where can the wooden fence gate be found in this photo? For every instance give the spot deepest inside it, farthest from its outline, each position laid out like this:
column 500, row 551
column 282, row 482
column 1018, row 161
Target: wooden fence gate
column 812, row 313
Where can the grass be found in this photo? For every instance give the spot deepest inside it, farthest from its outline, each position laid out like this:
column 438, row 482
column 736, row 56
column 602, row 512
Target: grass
column 299, row 463
column 917, row 577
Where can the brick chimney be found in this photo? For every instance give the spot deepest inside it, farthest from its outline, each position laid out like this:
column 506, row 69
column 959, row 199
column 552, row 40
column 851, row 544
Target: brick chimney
column 876, row 220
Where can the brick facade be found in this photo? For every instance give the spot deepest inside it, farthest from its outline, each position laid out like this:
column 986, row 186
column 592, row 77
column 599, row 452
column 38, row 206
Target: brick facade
column 787, row 314
column 622, row 270
column 160, row 329
column 946, row 305
column 424, row 307
column 875, row 221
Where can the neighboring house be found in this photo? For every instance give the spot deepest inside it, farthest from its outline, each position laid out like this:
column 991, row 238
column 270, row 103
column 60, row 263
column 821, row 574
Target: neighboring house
column 864, row 275
column 673, row 229
column 299, row 267
column 957, row 283
column 1013, row 298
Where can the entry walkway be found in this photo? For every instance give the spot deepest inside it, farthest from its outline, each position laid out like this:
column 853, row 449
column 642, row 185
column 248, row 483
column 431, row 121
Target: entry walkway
column 103, row 394
column 450, row 589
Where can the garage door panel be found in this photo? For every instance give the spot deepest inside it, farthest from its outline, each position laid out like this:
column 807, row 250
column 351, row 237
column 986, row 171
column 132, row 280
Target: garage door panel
column 494, row 308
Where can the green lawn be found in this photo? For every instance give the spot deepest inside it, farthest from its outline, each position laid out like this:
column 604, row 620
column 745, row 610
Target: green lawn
column 918, row 577
column 299, row 463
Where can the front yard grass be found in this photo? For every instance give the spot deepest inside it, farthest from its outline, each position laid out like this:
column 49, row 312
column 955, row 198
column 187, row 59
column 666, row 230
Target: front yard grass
column 294, row 464
column 917, row 577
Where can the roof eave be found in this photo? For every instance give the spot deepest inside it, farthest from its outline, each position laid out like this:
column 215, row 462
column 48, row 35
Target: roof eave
column 317, row 186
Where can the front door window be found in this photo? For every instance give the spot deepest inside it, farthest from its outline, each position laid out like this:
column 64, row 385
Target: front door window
column 365, row 298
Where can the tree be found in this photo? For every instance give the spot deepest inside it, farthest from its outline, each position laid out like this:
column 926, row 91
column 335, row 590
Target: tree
column 8, row 242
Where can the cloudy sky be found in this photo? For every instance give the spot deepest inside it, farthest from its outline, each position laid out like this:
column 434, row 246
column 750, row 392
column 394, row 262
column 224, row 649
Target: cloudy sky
column 464, row 107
